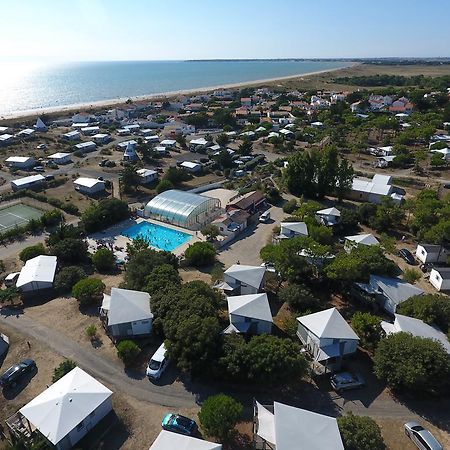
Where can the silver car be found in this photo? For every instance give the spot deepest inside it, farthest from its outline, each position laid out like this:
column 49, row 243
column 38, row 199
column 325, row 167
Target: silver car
column 423, row 439
column 344, row 381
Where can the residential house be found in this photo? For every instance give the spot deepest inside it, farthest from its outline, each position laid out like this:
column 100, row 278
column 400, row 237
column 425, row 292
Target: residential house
column 440, row 278
column 240, row 279
column 431, row 253
column 289, row 428
column 86, row 147
column 374, row 190
column 147, row 176
column 401, row 105
column 232, row 222
column 360, row 239
column 327, row 337
column 416, row 327
column 65, row 412
column 31, row 182
column 246, row 102
column 37, row 274
column 89, row 186
column 71, row 136
column 388, row 292
column 20, row 162
column 249, row 314
column 60, row 158
column 292, row 229
column 328, row 217
column 167, row 440
column 126, row 313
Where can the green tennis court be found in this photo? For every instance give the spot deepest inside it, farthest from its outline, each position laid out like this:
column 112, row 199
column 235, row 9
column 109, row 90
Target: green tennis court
column 17, row 215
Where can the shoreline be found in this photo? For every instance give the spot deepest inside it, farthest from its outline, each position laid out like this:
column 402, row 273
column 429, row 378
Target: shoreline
column 100, row 104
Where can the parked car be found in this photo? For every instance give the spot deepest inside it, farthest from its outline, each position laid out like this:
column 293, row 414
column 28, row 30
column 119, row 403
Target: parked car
column 426, row 267
column 423, row 439
column 158, row 363
column 407, row 256
column 39, row 169
column 264, row 217
column 41, row 147
column 345, row 381
column 15, row 372
column 179, row 424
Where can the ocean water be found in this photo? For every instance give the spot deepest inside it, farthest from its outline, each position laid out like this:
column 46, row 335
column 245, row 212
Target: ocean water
column 29, row 86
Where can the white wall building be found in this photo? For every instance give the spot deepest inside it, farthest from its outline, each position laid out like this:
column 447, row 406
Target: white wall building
column 191, row 167
column 37, row 274
column 60, row 158
column 30, row 182
column 430, row 253
column 86, row 147
column 89, row 186
column 440, row 278
column 20, row 162
column 167, row 440
column 147, row 175
column 240, row 279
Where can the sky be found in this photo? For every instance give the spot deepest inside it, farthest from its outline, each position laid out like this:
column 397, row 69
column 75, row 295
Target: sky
column 93, row 30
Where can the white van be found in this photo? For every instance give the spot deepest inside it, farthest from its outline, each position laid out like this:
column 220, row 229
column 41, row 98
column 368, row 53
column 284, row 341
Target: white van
column 264, row 217
column 158, row 363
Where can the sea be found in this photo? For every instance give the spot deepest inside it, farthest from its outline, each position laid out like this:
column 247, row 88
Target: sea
column 35, row 86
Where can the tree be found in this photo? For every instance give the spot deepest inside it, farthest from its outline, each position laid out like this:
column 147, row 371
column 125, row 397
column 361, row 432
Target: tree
column 50, row 218
column 368, row 328
column 388, row 216
column 344, row 179
column 219, row 415
column 432, row 309
column 32, row 251
column 348, row 222
column 437, row 160
column 200, row 254
column 129, row 179
column 264, row 359
column 64, row 368
column 210, row 232
column 290, row 206
column 246, row 148
column 88, row 290
column 104, row 260
column 299, row 298
column 360, row 433
column 67, row 277
column 164, row 185
column 222, row 140
column 224, row 160
column 412, row 363
column 70, row 250
column 142, row 263
column 162, row 277
column 137, row 244
column 128, row 351
column 105, row 213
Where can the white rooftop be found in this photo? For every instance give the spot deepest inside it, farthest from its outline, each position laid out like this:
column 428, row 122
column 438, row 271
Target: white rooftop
column 59, row 155
column 87, row 182
column 295, row 227
column 128, row 306
column 328, row 324
column 251, row 275
column 365, row 239
column 28, row 180
column 330, row 212
column 145, row 172
column 41, row 268
column 61, row 407
column 254, row 306
column 190, row 164
column 417, row 328
column 200, row 141
column 167, row 440
column 18, row 159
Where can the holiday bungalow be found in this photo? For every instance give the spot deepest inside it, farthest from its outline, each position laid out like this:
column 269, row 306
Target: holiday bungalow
column 31, row 182
column 20, row 162
column 101, row 138
column 374, row 190
column 71, row 136
column 167, row 440
column 191, row 167
column 289, row 230
column 328, row 217
column 37, row 274
column 359, row 239
column 147, row 176
column 240, row 279
column 440, row 278
column 86, row 147
column 60, row 158
column 89, row 186
column 431, row 253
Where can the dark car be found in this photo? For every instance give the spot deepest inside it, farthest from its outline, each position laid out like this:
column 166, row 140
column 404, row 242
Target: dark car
column 12, row 375
column 179, row 424
column 407, row 256
column 345, row 381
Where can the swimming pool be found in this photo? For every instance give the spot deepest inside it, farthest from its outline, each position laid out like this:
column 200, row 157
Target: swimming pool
column 159, row 236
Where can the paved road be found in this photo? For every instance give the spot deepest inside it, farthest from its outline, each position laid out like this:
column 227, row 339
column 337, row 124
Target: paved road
column 129, row 383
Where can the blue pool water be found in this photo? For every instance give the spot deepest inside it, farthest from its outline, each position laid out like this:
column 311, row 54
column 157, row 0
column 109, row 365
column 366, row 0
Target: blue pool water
column 160, row 237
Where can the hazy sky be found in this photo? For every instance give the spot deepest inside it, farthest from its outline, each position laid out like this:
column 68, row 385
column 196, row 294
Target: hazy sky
column 83, row 30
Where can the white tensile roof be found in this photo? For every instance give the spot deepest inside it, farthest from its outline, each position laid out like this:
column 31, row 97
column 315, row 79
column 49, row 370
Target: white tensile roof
column 417, row 328
column 366, row 239
column 41, row 268
column 288, row 426
column 40, row 125
column 167, row 440
column 87, row 182
column 251, row 275
column 254, row 306
column 60, row 408
column 330, row 212
column 328, row 324
column 128, row 306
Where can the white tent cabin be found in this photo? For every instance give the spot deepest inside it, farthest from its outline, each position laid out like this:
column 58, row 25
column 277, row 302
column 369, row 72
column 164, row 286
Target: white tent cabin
column 130, row 154
column 241, row 279
column 167, row 440
column 37, row 274
column 66, row 411
column 89, row 186
column 40, row 125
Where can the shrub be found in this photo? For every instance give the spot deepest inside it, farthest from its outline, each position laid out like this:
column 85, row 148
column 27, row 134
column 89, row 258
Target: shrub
column 164, row 185
column 219, row 415
column 32, row 251
column 91, row 331
column 128, row 351
column 200, row 254
column 88, row 290
column 67, row 277
column 290, row 206
column 70, row 250
column 64, row 368
column 368, row 328
column 299, row 297
column 52, row 217
column 413, row 364
column 162, row 277
column 411, row 275
column 360, row 433
column 104, row 260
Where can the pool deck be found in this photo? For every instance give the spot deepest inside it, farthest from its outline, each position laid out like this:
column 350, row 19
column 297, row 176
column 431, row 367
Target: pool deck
column 113, row 237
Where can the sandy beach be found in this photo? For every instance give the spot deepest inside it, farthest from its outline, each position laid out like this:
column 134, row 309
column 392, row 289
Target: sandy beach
column 111, row 103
